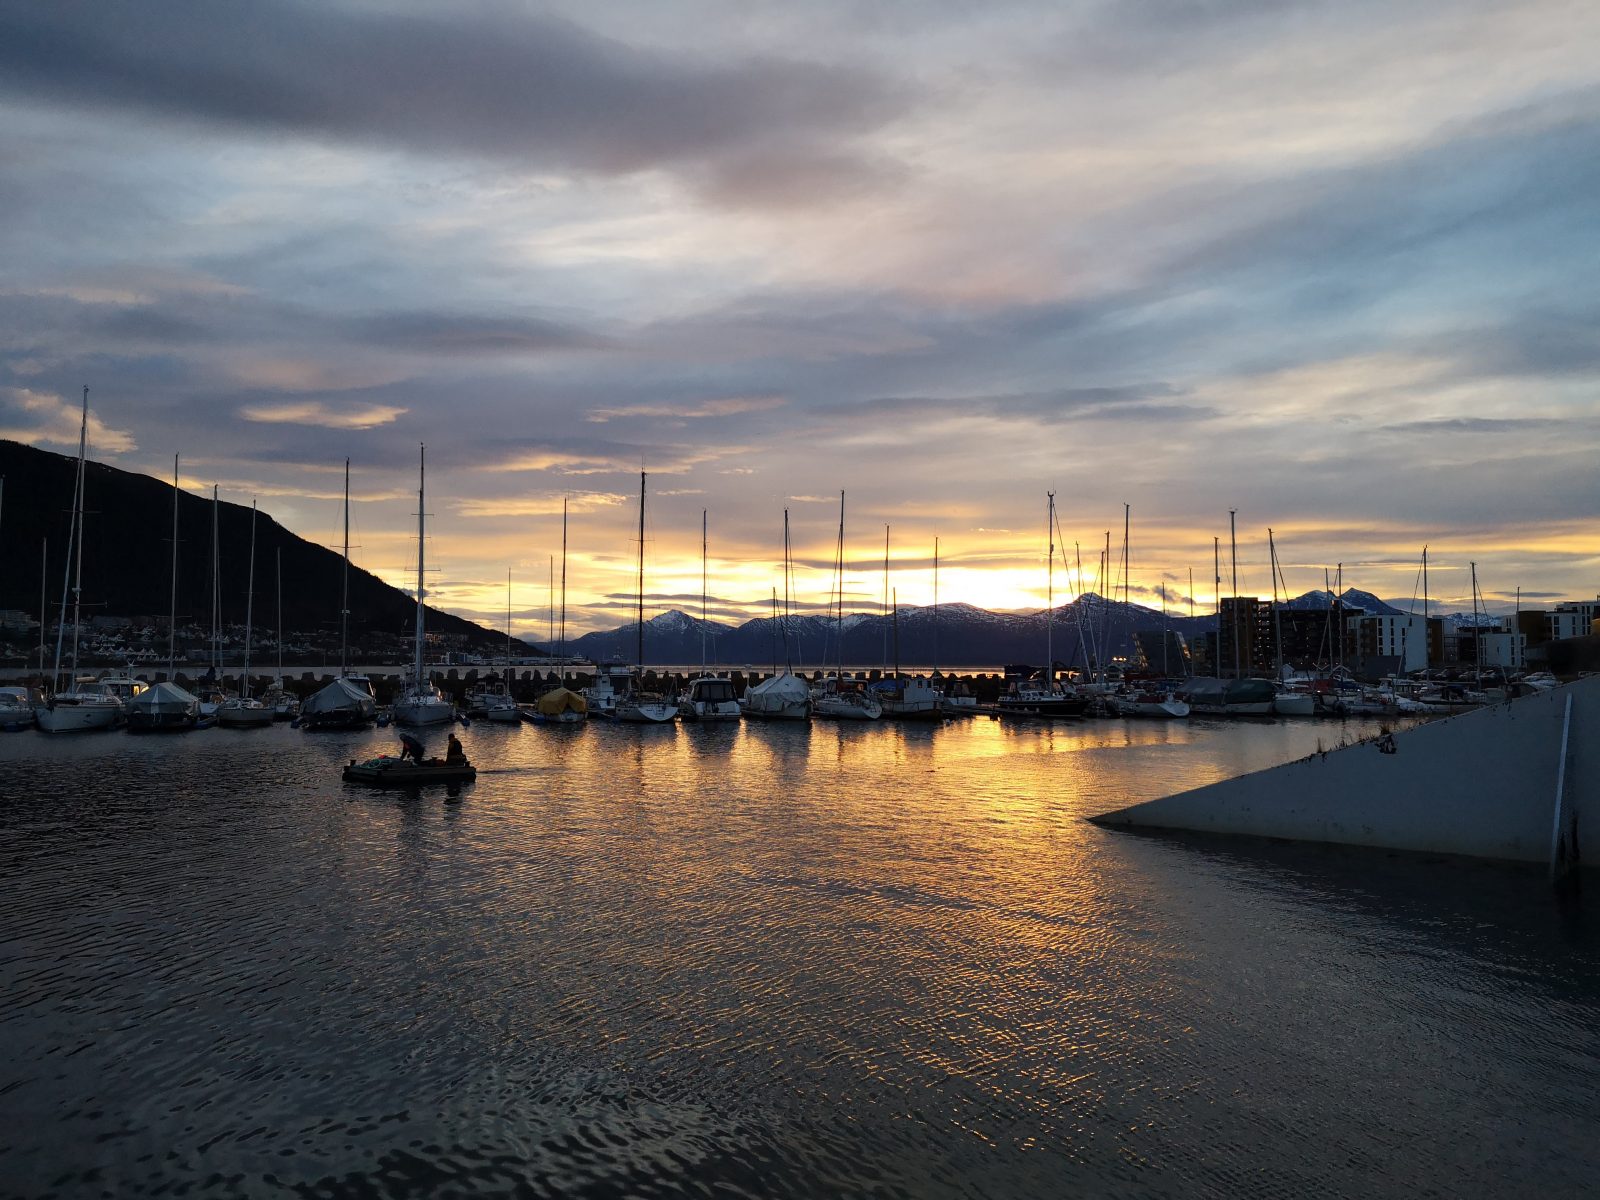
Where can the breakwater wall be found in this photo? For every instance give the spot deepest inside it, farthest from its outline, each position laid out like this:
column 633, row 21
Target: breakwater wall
column 1482, row 783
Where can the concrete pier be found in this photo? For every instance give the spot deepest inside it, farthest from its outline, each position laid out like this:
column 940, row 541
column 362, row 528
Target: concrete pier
column 1483, row 783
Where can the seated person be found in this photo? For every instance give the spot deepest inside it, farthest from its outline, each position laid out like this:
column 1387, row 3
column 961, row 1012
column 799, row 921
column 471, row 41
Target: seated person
column 453, row 754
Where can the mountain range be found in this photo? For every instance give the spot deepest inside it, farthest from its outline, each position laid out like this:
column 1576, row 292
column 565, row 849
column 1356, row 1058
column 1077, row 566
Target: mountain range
column 127, row 572
column 127, row 556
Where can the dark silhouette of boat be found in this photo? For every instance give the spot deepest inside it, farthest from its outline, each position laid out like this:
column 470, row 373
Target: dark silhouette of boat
column 385, row 771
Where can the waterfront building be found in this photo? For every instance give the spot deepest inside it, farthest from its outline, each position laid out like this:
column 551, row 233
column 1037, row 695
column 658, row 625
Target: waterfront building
column 1403, row 637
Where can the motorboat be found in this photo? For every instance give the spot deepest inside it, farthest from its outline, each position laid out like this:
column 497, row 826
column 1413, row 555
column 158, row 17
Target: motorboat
column 908, row 699
column 709, row 698
column 612, row 682
column 16, row 708
column 1033, row 695
column 87, row 705
column 501, row 709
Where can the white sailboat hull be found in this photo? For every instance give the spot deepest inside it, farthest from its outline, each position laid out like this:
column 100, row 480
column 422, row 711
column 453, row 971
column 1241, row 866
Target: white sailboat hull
column 423, row 710
column 840, row 708
column 243, row 714
column 646, row 712
column 68, row 715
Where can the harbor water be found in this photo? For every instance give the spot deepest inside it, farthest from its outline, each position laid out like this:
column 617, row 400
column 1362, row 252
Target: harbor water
column 761, row 960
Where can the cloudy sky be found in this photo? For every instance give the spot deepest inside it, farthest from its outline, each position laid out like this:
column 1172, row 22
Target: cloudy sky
column 1333, row 265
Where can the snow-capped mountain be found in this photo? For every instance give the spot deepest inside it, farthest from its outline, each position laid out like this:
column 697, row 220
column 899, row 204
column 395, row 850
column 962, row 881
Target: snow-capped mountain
column 954, row 635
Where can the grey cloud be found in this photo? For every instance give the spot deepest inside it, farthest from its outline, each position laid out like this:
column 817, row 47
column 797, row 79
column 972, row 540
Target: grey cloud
column 484, row 81
column 450, row 333
column 1130, row 402
column 1494, row 425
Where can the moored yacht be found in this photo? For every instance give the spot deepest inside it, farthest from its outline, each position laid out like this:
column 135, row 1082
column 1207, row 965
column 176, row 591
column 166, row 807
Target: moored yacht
column 87, row 704
column 709, row 698
column 345, row 703
column 780, row 698
column 163, row 707
column 16, row 708
column 422, row 703
column 844, row 698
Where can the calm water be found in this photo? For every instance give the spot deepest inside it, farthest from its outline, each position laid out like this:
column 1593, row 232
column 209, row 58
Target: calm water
column 760, row 961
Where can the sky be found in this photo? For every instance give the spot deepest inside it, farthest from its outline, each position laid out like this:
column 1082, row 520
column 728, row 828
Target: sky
column 1330, row 265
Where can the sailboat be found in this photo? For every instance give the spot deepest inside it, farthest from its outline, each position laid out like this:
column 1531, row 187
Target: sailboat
column 85, row 705
column 243, row 711
column 500, row 706
column 285, row 705
column 560, row 705
column 347, row 702
column 422, row 703
column 639, row 707
column 165, row 706
column 1045, row 697
column 711, row 697
column 842, row 699
column 783, row 697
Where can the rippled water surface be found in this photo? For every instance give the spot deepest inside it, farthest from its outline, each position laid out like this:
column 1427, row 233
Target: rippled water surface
column 765, row 960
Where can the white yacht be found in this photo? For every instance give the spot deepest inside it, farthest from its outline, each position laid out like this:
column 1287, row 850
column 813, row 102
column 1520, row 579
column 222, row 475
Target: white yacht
column 710, row 698
column 844, row 698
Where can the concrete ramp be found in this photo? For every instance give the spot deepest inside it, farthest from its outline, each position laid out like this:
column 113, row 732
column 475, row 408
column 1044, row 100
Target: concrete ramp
column 1482, row 783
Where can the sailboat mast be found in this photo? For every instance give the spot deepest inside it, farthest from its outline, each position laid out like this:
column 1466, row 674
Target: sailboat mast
column 1233, row 556
column 508, row 626
column 172, row 623
column 422, row 591
column 1050, row 592
column 886, row 597
column 44, row 612
column 936, row 605
column 1277, row 616
column 344, row 588
column 788, row 654
column 640, row 658
column 216, row 584
column 563, row 589
column 1477, row 635
column 1424, row 610
column 702, row 591
column 838, row 569
column 74, row 537
column 249, row 603
column 280, row 615
column 77, row 582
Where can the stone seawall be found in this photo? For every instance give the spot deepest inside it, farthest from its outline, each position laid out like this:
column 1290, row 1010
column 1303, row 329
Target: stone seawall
column 1482, row 783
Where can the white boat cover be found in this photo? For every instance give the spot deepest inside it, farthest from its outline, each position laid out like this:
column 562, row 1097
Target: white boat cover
column 339, row 696
column 164, row 699
column 777, row 693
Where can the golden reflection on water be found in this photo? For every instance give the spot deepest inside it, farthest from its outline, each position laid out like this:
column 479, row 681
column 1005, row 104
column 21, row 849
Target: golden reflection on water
column 837, row 947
